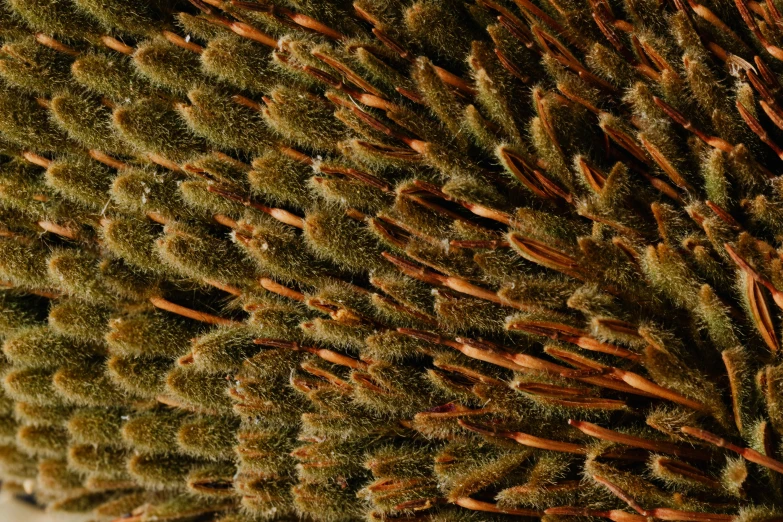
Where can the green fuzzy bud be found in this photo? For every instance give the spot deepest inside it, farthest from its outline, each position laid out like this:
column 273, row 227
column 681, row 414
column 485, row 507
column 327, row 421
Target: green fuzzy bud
column 24, row 122
column 668, row 370
column 716, row 319
column 669, row 471
column 142, row 191
column 220, row 167
column 370, row 58
column 278, row 320
column 96, row 426
column 18, row 311
column 151, row 334
column 350, row 193
column 253, row 399
column 198, row 255
column 475, row 468
column 167, row 65
column 319, row 461
column 33, row 385
column 333, row 235
column 223, row 349
column 136, row 19
column 757, row 514
column 42, row 347
column 641, row 488
column 22, row 188
column 200, row 391
column 609, row 65
column 134, row 241
column 766, row 213
column 88, row 385
column 261, row 496
column 222, row 121
column 266, row 451
column 141, row 377
column 210, row 437
column 495, row 89
column 546, row 485
column 13, row 218
column 83, row 181
column 159, row 471
column 440, row 99
column 464, row 314
column 197, row 196
column 79, row 274
column 11, row 26
column 406, row 290
column 346, row 336
column 153, row 126
column 392, row 312
column 125, row 503
column 282, row 255
column 281, row 179
column 55, row 477
column 395, row 390
column 38, row 415
column 395, row 347
column 87, row 121
column 238, row 62
column 441, row 27
column 56, row 18
column 304, row 119
column 409, row 460
column 716, row 183
column 106, row 460
column 153, row 431
column 34, row 68
column 112, row 76
column 669, row 273
column 483, row 133
column 127, row 281
column 43, row 441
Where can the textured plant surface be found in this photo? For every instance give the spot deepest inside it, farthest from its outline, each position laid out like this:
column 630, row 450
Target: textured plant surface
column 439, row 260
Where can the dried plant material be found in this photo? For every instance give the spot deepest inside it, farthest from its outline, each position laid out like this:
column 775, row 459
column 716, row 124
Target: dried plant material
column 437, row 260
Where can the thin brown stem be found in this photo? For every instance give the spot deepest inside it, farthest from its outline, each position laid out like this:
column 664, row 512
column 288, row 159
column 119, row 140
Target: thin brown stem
column 596, row 431
column 203, row 317
column 747, row 453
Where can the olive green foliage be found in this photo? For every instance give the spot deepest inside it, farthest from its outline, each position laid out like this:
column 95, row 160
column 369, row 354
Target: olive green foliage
column 392, row 260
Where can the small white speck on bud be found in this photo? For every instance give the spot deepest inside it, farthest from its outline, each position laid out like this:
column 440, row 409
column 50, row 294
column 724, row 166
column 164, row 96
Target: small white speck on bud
column 316, row 166
column 187, row 38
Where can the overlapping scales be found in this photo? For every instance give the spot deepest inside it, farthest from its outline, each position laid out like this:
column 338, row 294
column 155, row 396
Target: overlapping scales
column 392, row 260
